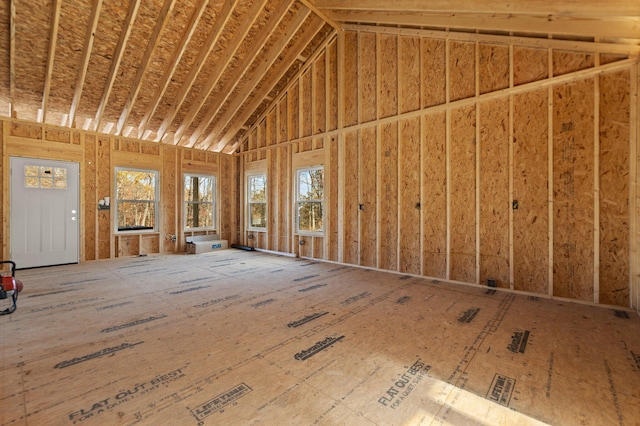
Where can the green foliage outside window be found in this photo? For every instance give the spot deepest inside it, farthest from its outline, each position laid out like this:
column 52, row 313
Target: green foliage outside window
column 310, row 197
column 257, row 200
column 136, row 199
column 199, row 196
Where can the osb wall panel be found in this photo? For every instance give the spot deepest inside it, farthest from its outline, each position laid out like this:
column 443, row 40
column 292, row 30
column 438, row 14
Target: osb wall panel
column 368, row 196
column 409, row 196
column 463, row 194
column 90, row 197
column 350, row 79
column 149, row 244
column 494, row 191
column 332, row 86
column 566, row 62
column 462, row 59
column 283, row 125
column 388, row 197
column 306, row 86
column 388, row 85
column 332, row 204
column 127, row 245
column 30, row 131
column 367, row 77
column 409, row 74
column 493, row 67
column 529, row 64
column 466, row 221
column 573, row 169
column 320, row 94
column 614, row 188
column 293, row 95
column 272, row 130
column 273, row 198
column 531, row 191
column 433, row 72
column 228, row 189
column 103, row 187
column 350, row 198
column 284, row 190
column 434, row 200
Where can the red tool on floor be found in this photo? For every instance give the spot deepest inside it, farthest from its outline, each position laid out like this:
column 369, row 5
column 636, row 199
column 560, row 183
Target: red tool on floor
column 10, row 287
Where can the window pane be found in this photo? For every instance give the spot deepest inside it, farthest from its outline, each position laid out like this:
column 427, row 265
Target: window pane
column 310, row 216
column 257, row 189
column 31, row 182
column 199, row 215
column 135, row 185
column 136, row 215
column 198, row 188
column 199, row 196
column 310, row 184
column 258, row 215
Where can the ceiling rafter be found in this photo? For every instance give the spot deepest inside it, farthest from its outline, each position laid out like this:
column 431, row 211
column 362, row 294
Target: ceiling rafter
column 223, row 18
column 171, row 68
column 268, row 85
column 161, row 23
column 53, row 39
column 244, row 66
column 311, row 6
column 231, row 148
column 134, row 5
column 259, row 73
column 84, row 63
column 220, row 66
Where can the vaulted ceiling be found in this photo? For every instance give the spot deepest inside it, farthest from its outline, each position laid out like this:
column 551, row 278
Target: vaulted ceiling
column 199, row 73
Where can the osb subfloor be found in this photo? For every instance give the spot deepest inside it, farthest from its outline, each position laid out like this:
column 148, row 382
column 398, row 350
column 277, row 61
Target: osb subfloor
column 236, row 338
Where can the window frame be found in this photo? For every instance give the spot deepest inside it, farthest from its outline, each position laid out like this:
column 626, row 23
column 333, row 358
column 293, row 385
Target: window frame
column 320, row 232
column 214, row 203
column 250, row 227
column 155, row 201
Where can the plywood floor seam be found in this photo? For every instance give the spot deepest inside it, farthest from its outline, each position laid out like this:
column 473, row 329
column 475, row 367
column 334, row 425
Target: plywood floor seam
column 236, row 338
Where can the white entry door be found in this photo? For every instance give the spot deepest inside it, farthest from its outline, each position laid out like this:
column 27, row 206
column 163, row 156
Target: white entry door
column 44, row 212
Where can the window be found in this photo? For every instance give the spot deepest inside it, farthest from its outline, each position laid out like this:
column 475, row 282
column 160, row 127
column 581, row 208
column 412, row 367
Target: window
column 136, row 199
column 257, row 200
column 310, row 197
column 45, row 177
column 199, row 202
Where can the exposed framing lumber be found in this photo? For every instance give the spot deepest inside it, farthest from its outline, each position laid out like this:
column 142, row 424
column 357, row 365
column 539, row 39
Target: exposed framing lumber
column 547, row 42
column 550, row 169
column 84, row 63
column 546, row 83
column 12, row 59
column 268, row 85
column 634, row 148
column 596, row 185
column 511, row 165
column 53, row 39
column 117, row 59
column 221, row 64
column 224, row 17
column 161, row 23
column 244, row 66
column 309, row 4
column 576, row 25
column 587, row 7
column 171, row 68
